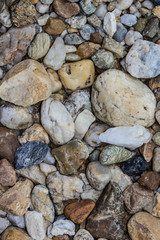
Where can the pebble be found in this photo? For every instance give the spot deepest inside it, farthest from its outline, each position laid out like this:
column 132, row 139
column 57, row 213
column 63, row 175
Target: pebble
column 141, row 23
column 65, row 9
column 131, row 37
column 156, row 138
column 135, row 166
column 156, row 2
column 83, row 71
column 35, row 225
column 56, row 55
column 94, row 21
column 150, row 180
column 103, row 59
column 12, row 233
column 70, row 48
column 87, row 49
column 156, row 159
column 76, row 21
column 56, row 83
column 114, row 47
column 123, row 4
column 72, row 57
column 83, row 234
column 42, row 20
column 96, row 37
column 109, row 24
column 87, row 6
column 5, row 15
column 47, row 1
column 156, row 11
column 147, row 150
column 57, row 121
column 7, row 173
column 86, row 32
column 16, row 200
column 17, row 221
column 101, row 10
column 47, row 168
column 151, row 28
column 109, row 92
column 54, row 26
column 73, row 38
column 20, row 38
column 4, row 223
column 42, row 8
column 30, row 153
column 60, row 237
column 128, row 20
column 120, row 33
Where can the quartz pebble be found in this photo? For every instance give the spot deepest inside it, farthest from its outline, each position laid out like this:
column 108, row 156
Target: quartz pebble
column 101, row 10
column 42, row 8
column 109, row 24
column 129, row 20
column 56, row 83
column 42, row 20
column 131, row 37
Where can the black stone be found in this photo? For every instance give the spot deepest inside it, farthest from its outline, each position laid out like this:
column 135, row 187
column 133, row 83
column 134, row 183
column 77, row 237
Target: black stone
column 134, row 166
column 30, row 153
column 156, row 2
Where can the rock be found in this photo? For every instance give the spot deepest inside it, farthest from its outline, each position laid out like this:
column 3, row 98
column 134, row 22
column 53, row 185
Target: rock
column 142, row 226
column 71, row 71
column 109, row 24
column 7, row 173
column 23, row 13
column 33, row 173
column 57, row 85
column 54, row 26
column 12, row 233
column 134, row 166
column 151, row 28
column 8, row 144
column 87, row 6
column 4, row 223
column 76, row 21
column 137, row 197
column 47, row 168
column 32, row 84
column 57, row 121
column 103, row 59
column 40, row 46
column 35, row 225
column 61, row 237
column 15, row 117
column 87, row 49
column 42, row 8
column 129, row 137
column 14, row 44
column 42, row 20
column 156, row 2
column 16, row 220
column 114, row 154
column 65, row 9
column 86, row 32
column 128, row 20
column 72, row 57
column 34, row 133
column 83, row 234
column 63, row 187
column 156, row 159
column 120, row 32
column 56, row 55
column 156, row 11
column 5, row 15
column 71, row 157
column 49, row 159
column 101, row 10
column 42, row 203
column 109, row 212
column 94, row 20
column 156, row 138
column 73, row 38
column 131, row 37
column 143, row 67
column 150, row 180
column 96, row 37
column 114, row 47
column 147, row 150
column 141, row 23
column 16, row 200
column 98, row 175
column 78, row 211
column 123, row 4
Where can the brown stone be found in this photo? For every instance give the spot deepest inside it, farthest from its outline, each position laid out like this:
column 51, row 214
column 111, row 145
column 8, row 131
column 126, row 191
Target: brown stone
column 8, row 144
column 16, row 200
column 54, row 26
column 136, row 198
column 96, row 38
column 14, row 233
column 147, row 150
column 154, row 83
column 150, row 180
column 87, row 49
column 78, row 211
column 61, row 237
column 65, row 9
column 143, row 226
column 7, row 173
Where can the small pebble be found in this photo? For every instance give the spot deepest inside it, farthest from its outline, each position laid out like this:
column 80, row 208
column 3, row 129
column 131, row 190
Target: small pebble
column 86, row 31
column 87, row 7
column 103, row 59
column 128, row 20
column 120, row 32
column 73, row 38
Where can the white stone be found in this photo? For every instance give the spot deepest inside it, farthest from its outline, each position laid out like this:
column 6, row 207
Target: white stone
column 109, row 24
column 123, row 4
column 56, row 83
column 48, row 2
column 117, row 12
column 42, row 8
column 70, row 48
column 129, row 137
column 128, row 20
column 83, row 234
column 35, row 225
column 101, row 10
column 90, row 193
column 132, row 36
column 17, row 221
column 42, row 20
column 148, row 4
column 5, row 17
column 56, row 55
column 4, row 223
column 47, row 168
column 57, row 121
column 82, row 123
column 49, row 159
column 76, row 21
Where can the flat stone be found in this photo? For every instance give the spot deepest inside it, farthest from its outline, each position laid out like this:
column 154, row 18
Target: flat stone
column 103, row 59
column 4, row 223
column 7, row 173
column 17, row 221
column 54, row 26
column 83, row 233
column 16, row 200
column 65, row 9
column 114, row 47
column 87, row 49
column 150, row 180
column 12, row 233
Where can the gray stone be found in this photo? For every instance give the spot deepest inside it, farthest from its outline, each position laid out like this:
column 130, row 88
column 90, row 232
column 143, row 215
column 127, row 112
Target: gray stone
column 4, row 223
column 76, row 21
column 114, row 47
column 132, row 36
column 17, row 221
column 120, row 33
column 86, row 31
column 87, row 7
column 128, row 20
column 73, row 38
column 103, row 59
column 94, row 21
column 151, row 28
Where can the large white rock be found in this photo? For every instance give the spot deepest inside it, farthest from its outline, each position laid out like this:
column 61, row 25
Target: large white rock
column 109, row 24
column 129, row 137
column 57, row 121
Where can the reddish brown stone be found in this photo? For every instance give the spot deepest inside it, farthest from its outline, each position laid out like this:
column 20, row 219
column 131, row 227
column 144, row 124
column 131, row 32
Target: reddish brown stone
column 66, row 9
column 61, row 237
column 150, row 180
column 7, row 173
column 147, row 150
column 54, row 26
column 87, row 49
column 96, row 38
column 78, row 211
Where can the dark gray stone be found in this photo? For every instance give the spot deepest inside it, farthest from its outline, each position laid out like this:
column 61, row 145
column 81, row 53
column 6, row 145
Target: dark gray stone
column 151, row 28
column 73, row 38
column 120, row 33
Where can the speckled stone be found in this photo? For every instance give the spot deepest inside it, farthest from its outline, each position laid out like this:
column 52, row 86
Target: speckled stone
column 87, row 7
column 73, row 38
column 87, row 49
column 14, row 233
column 103, row 59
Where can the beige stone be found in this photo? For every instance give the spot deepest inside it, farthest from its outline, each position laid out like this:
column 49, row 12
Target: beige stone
column 56, row 83
column 26, row 84
column 147, row 150
column 156, row 11
column 14, row 233
column 54, row 26
column 77, row 75
column 7, row 173
column 47, row 168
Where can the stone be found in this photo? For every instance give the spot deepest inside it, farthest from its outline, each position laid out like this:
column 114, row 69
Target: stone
column 156, row 159
column 16, row 200
column 8, row 144
column 5, row 15
column 47, row 168
column 98, row 175
column 144, row 226
column 42, row 20
column 7, row 173
column 135, row 166
column 72, row 57
column 54, row 26
column 61, row 237
column 23, row 13
column 79, row 210
column 96, row 37
column 15, row 117
column 150, row 180
column 111, row 100
column 141, row 23
column 147, row 150
column 156, row 11
column 151, row 28
column 4, row 223
column 128, row 20
column 109, row 212
column 63, row 187
column 87, row 49
column 131, row 37
column 56, row 55
column 42, row 8
column 33, row 173
column 76, row 21
column 56, row 83
column 17, row 221
column 49, row 159
column 86, row 32
column 123, row 4
column 109, row 24
column 35, row 225
column 40, row 46
column 71, row 157
column 94, row 21
column 73, row 38
column 35, row 133
column 12, row 233
column 101, row 10
column 120, row 33
column 48, row 2
column 77, row 75
column 136, row 198
column 83, row 234
column 103, row 59
column 31, row 81
column 114, row 154
column 14, row 44
column 87, row 7
column 156, row 2
column 114, row 47
column 156, row 138
column 143, row 67
column 57, row 121
column 147, row 4
column 65, row 9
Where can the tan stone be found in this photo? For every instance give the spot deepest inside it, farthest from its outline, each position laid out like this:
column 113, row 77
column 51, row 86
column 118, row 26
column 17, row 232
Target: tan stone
column 34, row 1
column 77, row 75
column 14, row 233
column 65, row 9
column 16, row 200
column 147, row 150
column 56, row 84
column 143, row 226
column 156, row 159
column 154, row 83
column 156, row 11
column 96, row 38
column 87, row 49
column 26, row 84
column 54, row 26
column 7, row 173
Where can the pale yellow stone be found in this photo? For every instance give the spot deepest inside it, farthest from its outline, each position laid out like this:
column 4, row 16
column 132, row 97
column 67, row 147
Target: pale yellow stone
column 34, row 1
column 156, row 11
column 57, row 85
